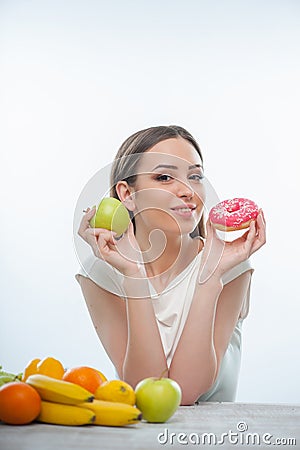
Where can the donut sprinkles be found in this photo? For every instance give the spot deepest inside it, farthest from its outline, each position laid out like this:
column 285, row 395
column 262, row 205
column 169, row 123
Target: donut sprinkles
column 234, row 214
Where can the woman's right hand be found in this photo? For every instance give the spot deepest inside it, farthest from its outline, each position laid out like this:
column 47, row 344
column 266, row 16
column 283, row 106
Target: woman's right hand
column 123, row 253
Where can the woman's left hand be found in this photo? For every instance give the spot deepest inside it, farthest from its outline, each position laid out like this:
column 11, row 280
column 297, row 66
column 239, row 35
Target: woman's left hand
column 220, row 256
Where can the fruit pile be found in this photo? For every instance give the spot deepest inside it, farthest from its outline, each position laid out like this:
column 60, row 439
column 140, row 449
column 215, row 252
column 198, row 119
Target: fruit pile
column 46, row 392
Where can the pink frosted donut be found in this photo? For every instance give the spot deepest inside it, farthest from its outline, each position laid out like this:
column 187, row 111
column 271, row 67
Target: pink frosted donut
column 233, row 214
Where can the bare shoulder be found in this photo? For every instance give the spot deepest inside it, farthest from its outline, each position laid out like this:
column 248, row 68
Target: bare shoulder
column 239, row 284
column 88, row 285
column 234, row 297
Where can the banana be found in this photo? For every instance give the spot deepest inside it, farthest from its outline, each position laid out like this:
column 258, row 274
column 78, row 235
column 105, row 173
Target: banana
column 59, row 391
column 59, row 414
column 113, row 414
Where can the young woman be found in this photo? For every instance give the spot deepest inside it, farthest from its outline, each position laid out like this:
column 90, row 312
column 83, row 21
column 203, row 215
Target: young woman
column 168, row 295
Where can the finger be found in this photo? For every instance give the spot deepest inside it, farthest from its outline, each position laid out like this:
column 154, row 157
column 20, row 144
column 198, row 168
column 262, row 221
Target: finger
column 248, row 239
column 245, row 235
column 85, row 221
column 260, row 225
column 261, row 235
column 260, row 238
column 93, row 234
column 103, row 244
column 250, row 235
column 89, row 212
column 90, row 238
column 103, row 231
column 262, row 216
column 92, row 241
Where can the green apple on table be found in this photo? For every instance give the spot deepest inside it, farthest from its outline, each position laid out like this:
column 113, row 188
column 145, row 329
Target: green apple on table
column 157, row 398
column 112, row 215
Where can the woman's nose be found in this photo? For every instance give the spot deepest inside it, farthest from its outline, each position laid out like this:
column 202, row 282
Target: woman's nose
column 184, row 190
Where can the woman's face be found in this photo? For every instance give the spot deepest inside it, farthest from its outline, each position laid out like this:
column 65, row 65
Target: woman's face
column 169, row 194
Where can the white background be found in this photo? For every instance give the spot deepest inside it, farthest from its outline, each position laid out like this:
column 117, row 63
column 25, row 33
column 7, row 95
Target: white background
column 76, row 79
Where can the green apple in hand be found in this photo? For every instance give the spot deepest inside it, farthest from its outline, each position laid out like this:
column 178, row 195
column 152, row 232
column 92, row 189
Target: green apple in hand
column 112, row 215
column 157, row 398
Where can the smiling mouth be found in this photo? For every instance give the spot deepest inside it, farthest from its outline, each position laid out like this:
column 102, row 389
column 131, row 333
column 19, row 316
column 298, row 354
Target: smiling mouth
column 184, row 208
column 184, row 211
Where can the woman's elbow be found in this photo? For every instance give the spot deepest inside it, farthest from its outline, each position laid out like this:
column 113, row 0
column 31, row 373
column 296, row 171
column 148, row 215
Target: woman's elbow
column 190, row 396
column 187, row 401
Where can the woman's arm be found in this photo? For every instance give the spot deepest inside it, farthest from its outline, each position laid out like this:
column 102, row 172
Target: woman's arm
column 137, row 353
column 214, row 310
column 230, row 305
column 145, row 355
column 210, row 323
column 140, row 352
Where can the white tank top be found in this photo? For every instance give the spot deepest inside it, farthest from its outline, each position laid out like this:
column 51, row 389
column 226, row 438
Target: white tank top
column 171, row 308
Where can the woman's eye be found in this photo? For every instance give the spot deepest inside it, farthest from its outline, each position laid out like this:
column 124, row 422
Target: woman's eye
column 196, row 176
column 164, row 177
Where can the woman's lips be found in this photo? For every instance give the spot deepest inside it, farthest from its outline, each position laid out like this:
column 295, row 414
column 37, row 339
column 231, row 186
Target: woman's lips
column 184, row 210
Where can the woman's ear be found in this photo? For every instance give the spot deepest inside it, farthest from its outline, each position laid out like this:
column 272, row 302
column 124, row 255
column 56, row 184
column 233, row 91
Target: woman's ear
column 125, row 195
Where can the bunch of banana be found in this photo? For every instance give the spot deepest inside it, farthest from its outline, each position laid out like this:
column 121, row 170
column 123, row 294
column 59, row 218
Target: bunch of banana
column 65, row 403
column 60, row 400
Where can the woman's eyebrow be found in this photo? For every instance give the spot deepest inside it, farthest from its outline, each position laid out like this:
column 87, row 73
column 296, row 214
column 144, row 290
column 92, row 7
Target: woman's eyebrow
column 169, row 166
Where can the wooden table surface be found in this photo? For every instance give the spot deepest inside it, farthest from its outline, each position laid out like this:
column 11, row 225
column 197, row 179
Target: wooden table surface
column 218, row 425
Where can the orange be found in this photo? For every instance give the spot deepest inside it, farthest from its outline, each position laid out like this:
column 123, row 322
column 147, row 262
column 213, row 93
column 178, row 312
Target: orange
column 87, row 377
column 103, row 377
column 30, row 369
column 51, row 367
column 116, row 391
column 19, row 403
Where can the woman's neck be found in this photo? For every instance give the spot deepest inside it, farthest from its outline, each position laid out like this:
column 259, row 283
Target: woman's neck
column 167, row 255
